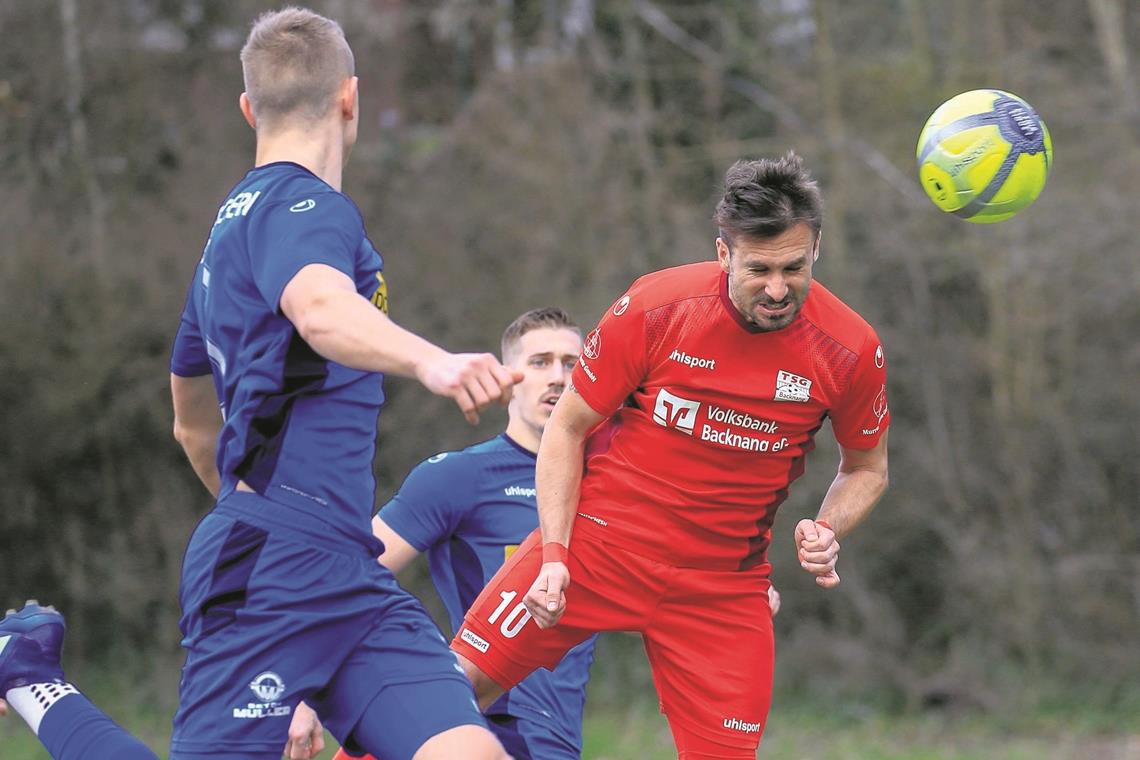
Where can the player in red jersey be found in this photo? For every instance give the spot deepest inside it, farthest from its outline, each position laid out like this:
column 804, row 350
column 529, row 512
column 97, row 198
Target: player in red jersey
column 695, row 402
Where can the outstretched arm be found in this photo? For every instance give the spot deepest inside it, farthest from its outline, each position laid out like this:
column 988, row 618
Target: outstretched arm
column 343, row 326
column 861, row 481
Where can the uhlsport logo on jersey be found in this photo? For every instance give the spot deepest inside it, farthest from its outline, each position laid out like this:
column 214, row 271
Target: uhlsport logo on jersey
column 736, row 724
column 791, row 387
column 698, row 362
column 474, row 640
column 269, row 688
column 675, row 412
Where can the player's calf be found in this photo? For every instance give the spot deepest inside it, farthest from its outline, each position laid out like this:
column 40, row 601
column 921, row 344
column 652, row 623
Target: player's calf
column 32, row 682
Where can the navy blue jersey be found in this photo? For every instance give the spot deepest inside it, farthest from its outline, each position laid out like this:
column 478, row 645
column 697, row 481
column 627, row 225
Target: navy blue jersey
column 469, row 510
column 299, row 429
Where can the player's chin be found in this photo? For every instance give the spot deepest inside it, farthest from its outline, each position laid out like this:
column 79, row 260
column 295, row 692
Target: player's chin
column 774, row 319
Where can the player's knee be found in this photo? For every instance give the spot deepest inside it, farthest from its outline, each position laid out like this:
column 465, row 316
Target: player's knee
column 486, row 690
column 471, row 742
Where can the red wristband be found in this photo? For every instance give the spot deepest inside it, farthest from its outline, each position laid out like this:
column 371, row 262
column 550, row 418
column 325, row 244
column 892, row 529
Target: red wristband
column 552, row 551
column 825, row 524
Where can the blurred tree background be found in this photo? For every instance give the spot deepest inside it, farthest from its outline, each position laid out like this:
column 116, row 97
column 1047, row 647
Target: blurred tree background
column 516, row 153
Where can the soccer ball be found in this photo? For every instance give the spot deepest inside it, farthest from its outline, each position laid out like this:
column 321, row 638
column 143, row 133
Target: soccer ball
column 984, row 155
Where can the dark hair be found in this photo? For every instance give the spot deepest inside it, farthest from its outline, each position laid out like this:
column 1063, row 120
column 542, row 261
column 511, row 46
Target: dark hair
column 766, row 197
column 536, row 319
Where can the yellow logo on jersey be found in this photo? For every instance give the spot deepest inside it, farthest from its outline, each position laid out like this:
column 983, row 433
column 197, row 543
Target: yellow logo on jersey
column 508, row 550
column 380, row 296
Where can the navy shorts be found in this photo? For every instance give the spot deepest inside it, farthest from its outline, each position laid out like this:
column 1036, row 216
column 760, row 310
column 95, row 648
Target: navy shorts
column 271, row 617
column 530, row 738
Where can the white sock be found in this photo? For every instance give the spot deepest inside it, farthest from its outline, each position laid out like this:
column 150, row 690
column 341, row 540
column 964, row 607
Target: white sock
column 32, row 702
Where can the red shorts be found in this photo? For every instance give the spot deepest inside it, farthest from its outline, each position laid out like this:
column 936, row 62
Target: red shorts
column 708, row 634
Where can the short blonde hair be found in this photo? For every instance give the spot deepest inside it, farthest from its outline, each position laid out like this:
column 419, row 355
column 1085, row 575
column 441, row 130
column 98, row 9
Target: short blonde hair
column 294, row 62
column 546, row 317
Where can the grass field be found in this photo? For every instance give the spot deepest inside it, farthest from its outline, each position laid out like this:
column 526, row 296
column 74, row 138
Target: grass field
column 798, row 732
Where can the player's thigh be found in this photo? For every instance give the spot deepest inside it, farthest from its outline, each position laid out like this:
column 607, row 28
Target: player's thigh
column 691, row 747
column 609, row 590
column 468, row 742
column 711, row 651
column 428, row 719
column 267, row 622
column 400, row 687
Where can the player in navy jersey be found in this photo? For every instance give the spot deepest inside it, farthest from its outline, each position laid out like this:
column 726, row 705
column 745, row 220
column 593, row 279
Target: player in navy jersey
column 470, row 509
column 285, row 330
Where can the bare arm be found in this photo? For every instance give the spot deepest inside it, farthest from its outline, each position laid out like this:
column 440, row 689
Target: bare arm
column 398, row 553
column 341, row 325
column 558, row 471
column 558, row 478
column 197, row 421
column 861, row 481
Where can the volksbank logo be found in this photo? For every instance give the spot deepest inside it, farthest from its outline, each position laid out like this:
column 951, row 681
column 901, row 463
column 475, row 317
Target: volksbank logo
column 742, row 419
column 675, row 412
column 692, row 361
column 739, row 725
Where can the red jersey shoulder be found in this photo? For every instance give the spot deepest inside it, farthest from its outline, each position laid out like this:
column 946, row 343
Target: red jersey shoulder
column 839, row 321
column 667, row 286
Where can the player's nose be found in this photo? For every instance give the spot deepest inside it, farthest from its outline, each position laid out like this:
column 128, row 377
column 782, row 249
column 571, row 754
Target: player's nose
column 776, row 288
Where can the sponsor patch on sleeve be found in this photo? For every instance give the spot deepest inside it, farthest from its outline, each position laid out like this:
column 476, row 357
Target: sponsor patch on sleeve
column 471, row 638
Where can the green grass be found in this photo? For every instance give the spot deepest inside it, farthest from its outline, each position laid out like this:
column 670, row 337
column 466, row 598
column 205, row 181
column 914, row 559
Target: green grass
column 635, row 731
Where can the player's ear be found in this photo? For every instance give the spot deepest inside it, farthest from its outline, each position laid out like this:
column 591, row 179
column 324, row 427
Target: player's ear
column 349, row 98
column 247, row 110
column 815, row 253
column 723, row 253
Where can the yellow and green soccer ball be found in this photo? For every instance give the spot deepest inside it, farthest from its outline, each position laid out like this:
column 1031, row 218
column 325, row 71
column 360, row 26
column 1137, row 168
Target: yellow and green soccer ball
column 984, row 155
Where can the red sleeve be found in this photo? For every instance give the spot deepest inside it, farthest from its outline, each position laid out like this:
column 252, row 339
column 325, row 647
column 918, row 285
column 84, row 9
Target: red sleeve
column 862, row 415
column 613, row 361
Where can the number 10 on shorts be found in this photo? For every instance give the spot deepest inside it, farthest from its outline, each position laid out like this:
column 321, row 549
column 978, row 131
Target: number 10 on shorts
column 517, row 618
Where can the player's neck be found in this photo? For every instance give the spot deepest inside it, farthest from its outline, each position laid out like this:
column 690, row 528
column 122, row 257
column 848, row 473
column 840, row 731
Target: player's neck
column 323, row 155
column 524, row 435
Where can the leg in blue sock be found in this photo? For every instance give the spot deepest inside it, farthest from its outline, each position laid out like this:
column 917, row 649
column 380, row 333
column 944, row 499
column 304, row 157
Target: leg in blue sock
column 31, row 680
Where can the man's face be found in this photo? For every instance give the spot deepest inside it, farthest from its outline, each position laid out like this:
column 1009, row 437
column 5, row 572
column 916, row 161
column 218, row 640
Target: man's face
column 546, row 357
column 769, row 278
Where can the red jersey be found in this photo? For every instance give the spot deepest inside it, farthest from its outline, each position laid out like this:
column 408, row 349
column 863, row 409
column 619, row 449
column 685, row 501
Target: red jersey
column 710, row 419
